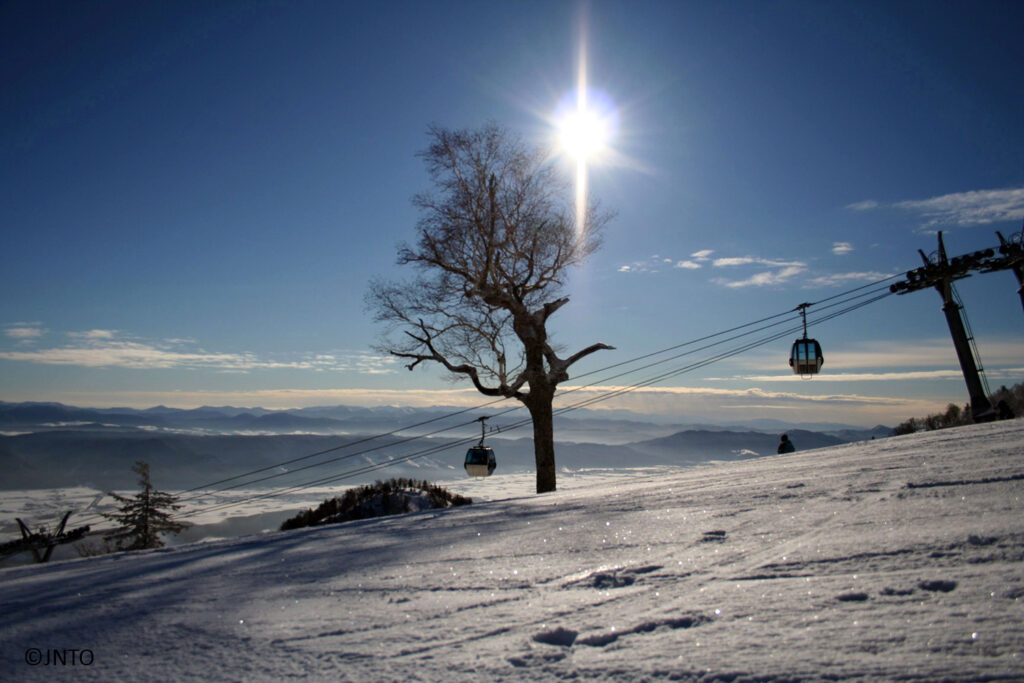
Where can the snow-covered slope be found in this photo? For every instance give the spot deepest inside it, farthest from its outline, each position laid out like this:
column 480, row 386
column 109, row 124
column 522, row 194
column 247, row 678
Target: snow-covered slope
column 900, row 558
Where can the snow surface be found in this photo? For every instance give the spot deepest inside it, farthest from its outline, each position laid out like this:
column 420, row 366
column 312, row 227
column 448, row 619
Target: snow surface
column 895, row 559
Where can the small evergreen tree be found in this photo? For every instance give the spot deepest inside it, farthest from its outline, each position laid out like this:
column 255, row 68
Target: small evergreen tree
column 144, row 517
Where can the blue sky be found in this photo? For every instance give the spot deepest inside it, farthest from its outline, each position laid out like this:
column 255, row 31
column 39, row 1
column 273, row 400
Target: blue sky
column 194, row 195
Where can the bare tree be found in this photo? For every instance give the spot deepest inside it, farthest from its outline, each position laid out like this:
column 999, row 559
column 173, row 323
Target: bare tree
column 496, row 238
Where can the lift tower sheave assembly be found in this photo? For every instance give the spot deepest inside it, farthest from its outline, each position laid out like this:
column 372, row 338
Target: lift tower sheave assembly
column 940, row 274
column 1011, row 258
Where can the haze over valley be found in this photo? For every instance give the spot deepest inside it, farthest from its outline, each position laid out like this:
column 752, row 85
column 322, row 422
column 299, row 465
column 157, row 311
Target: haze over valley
column 52, row 445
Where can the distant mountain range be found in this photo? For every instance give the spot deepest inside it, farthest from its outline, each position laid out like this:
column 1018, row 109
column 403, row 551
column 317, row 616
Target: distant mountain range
column 47, row 445
column 583, row 425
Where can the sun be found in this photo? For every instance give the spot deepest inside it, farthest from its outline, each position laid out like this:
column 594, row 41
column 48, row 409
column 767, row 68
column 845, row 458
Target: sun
column 585, row 121
column 583, row 133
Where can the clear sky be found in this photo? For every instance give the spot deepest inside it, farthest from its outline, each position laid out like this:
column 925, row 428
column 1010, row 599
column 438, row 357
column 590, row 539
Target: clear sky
column 194, row 195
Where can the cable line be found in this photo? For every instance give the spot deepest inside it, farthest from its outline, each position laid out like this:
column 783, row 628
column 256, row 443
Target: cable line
column 203, row 490
column 581, row 404
column 489, row 403
column 447, row 446
column 349, row 445
column 564, row 393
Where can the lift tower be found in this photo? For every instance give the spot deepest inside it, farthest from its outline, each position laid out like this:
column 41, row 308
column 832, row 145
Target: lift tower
column 940, row 274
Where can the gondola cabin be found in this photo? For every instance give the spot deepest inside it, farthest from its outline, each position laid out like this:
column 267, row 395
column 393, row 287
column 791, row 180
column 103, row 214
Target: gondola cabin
column 480, row 461
column 806, row 359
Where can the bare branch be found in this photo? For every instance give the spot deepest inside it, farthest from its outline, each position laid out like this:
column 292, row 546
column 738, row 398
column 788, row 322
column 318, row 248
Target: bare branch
column 463, row 369
column 586, row 352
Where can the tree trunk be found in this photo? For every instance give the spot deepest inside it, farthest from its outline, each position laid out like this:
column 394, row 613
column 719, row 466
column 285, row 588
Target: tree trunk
column 543, row 441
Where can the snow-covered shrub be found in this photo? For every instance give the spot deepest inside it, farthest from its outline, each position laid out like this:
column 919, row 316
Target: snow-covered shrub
column 392, row 497
column 97, row 547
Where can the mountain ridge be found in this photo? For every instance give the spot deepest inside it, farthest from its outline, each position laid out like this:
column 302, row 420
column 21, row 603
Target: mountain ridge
column 45, row 416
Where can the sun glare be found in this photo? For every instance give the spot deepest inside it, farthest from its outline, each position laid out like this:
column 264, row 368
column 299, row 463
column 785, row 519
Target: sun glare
column 583, row 134
column 585, row 121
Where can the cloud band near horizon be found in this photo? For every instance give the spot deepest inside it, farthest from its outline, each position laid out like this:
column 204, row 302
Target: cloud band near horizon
column 683, row 402
column 110, row 349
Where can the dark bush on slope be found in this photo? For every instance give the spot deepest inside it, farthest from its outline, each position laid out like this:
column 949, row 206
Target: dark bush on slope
column 392, row 497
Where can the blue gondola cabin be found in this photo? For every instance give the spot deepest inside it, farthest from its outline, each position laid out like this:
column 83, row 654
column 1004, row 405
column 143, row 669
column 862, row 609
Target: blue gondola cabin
column 806, row 358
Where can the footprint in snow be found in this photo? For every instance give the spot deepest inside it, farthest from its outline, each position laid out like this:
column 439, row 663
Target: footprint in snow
column 852, row 596
column 608, row 637
column 563, row 637
column 938, row 586
column 535, row 659
column 717, row 536
column 611, row 578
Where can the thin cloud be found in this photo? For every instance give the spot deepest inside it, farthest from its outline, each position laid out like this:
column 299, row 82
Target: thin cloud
column 765, row 279
column 976, row 207
column 755, row 260
column 106, row 349
column 651, row 265
column 781, row 271
column 925, row 354
column 861, row 376
column 836, row 279
column 932, row 358
column 734, row 261
column 93, row 335
column 658, row 261
column 746, row 404
column 1000, row 375
column 705, row 393
column 784, row 271
column 866, row 205
column 24, row 333
column 140, row 356
column 979, row 207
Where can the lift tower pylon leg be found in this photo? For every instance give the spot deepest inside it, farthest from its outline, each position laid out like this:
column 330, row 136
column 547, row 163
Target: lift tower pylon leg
column 981, row 407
